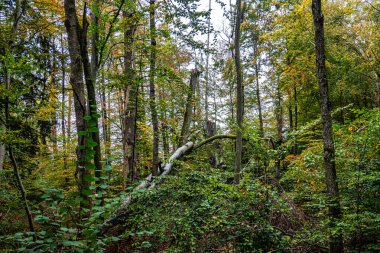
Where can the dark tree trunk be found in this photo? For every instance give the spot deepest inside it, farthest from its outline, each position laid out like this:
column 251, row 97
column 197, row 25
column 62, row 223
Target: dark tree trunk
column 378, row 88
column 211, row 131
column 152, row 92
column 258, row 98
column 280, row 124
column 295, row 107
column 207, row 62
column 239, row 94
column 130, row 96
column 336, row 242
column 92, row 106
column 76, row 79
column 106, row 125
column 185, row 131
column 63, row 114
column 290, row 113
column 2, row 154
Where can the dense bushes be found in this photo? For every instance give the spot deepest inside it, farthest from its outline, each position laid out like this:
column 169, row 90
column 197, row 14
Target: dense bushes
column 198, row 212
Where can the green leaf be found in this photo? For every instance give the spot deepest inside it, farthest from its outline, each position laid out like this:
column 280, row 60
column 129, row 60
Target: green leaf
column 115, row 239
column 82, row 133
column 103, row 186
column 73, row 243
column 86, row 192
column 146, row 245
column 110, row 159
column 92, row 123
column 93, row 130
column 92, row 144
column 41, row 218
column 89, row 178
column 89, row 166
column 96, row 115
column 107, row 168
column 87, row 117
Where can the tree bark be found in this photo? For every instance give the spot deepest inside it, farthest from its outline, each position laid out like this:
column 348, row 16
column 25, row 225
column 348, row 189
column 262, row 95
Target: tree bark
column 295, row 107
column 2, row 155
column 239, row 94
column 290, row 113
column 211, row 131
column 152, row 92
column 280, row 124
column 76, row 81
column 130, row 95
column 334, row 211
column 378, row 88
column 261, row 127
column 187, row 118
column 22, row 191
column 63, row 114
column 207, row 61
column 90, row 78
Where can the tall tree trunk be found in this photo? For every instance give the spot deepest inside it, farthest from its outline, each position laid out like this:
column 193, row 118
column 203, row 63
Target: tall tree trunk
column 378, row 88
column 105, row 120
column 90, row 78
column 336, row 241
column 239, row 94
column 2, row 154
column 152, row 92
column 63, row 113
column 185, row 131
column 290, row 114
column 280, row 124
column 295, row 107
column 76, row 80
column 207, row 61
column 20, row 185
column 258, row 98
column 22, row 191
column 69, row 113
column 130, row 95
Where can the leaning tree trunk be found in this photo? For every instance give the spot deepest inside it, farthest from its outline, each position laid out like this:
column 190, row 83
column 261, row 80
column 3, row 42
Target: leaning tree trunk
column 336, row 242
column 7, row 79
column 239, row 95
column 152, row 91
column 76, row 80
column 189, row 108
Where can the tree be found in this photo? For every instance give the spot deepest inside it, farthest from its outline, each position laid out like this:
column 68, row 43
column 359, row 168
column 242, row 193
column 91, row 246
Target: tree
column 76, row 80
column 152, row 90
column 187, row 118
column 336, row 241
column 239, row 94
column 130, row 96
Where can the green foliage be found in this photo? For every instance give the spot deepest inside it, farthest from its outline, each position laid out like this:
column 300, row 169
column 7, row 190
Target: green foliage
column 357, row 159
column 199, row 211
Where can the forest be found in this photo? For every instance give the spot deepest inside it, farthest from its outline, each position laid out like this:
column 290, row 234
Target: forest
column 189, row 126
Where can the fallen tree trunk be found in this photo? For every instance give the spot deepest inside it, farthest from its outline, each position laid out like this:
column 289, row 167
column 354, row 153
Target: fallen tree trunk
column 148, row 183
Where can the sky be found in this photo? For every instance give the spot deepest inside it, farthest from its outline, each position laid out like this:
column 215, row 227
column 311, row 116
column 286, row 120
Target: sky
column 217, row 18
